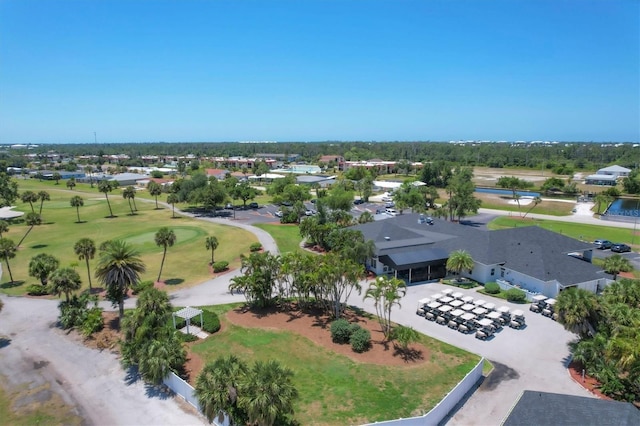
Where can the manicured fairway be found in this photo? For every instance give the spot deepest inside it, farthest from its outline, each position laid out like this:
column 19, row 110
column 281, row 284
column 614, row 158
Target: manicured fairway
column 186, row 263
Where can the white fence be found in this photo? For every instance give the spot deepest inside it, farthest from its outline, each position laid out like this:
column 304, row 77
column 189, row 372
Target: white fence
column 433, row 417
column 446, row 405
column 504, row 285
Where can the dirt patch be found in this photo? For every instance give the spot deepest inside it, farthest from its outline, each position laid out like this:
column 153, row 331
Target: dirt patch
column 105, row 339
column 315, row 326
column 589, row 383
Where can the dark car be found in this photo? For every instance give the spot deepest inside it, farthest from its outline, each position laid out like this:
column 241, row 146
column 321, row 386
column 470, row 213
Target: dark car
column 253, row 205
column 620, row 248
column 603, row 244
column 358, row 201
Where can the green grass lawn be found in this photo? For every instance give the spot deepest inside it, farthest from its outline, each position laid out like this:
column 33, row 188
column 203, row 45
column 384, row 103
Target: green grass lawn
column 186, row 263
column 571, row 229
column 337, row 390
column 287, row 237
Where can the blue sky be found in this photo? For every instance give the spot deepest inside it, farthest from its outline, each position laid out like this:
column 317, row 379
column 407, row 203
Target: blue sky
column 187, row 70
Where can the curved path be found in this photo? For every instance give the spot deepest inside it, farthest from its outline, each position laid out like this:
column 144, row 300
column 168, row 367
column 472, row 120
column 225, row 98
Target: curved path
column 95, row 383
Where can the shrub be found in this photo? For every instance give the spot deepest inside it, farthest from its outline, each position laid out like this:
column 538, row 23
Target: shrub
column 255, row 247
column 516, row 295
column 72, row 313
column 142, row 285
column 92, row 322
column 220, row 266
column 492, row 288
column 186, row 337
column 37, row 290
column 210, row 321
column 360, row 340
column 341, row 331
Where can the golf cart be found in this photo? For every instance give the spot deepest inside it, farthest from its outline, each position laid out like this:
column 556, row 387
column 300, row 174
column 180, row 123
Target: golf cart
column 517, row 319
column 421, row 306
column 538, row 303
column 548, row 308
column 484, row 329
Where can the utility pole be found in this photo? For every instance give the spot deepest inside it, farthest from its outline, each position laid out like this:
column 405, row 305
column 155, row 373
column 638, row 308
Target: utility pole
column 95, row 138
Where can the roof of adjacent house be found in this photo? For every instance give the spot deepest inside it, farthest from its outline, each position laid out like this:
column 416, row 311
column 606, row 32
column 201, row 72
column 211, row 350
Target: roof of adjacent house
column 601, row 177
column 534, row 251
column 614, row 169
column 543, row 408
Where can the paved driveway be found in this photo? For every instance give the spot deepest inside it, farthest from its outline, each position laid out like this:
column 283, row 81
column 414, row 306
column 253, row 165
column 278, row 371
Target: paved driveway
column 533, row 358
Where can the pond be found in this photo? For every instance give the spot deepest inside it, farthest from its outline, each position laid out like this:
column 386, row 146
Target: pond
column 624, row 207
column 507, row 192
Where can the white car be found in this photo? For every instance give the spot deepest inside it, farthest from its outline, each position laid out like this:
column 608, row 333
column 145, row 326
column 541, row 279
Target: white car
column 309, row 212
column 278, row 213
column 392, row 212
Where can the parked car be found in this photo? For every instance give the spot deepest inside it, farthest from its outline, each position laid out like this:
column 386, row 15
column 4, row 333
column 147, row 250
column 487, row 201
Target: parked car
column 358, row 201
column 392, row 212
column 620, row 248
column 286, row 203
column 229, row 206
column 278, row 213
column 309, row 212
column 603, row 244
column 390, row 204
column 253, row 205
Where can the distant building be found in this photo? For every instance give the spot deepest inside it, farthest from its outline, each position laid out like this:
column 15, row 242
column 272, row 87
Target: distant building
column 609, row 180
column 616, row 171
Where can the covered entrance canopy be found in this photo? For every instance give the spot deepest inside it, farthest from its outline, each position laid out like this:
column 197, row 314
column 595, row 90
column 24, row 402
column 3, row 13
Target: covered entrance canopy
column 418, row 265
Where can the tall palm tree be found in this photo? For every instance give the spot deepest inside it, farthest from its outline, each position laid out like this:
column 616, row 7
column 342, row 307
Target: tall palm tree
column 211, row 243
column 535, row 202
column 77, row 202
column 31, row 219
column 8, row 251
column 164, row 238
column 29, row 197
column 173, row 199
column 85, row 249
column 218, row 385
column 129, row 193
column 89, row 170
column 615, row 264
column 43, row 196
column 268, row 394
column 576, row 310
column 65, row 280
column 42, row 265
column 386, row 293
column 118, row 269
column 459, row 261
column 155, row 190
column 105, row 187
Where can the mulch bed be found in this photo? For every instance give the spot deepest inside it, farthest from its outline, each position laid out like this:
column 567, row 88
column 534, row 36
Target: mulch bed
column 589, row 383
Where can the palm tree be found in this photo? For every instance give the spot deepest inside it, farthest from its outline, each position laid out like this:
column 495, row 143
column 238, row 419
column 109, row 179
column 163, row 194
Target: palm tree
column 43, row 196
column 71, row 183
column 173, row 199
column 65, row 280
column 105, row 187
column 218, row 385
column 29, row 197
column 268, row 394
column 32, row 219
column 42, row 265
column 85, row 249
column 56, row 176
column 386, row 293
column 8, row 251
column 118, row 269
column 458, row 261
column 160, row 356
column 536, row 201
column 77, row 202
column 129, row 193
column 212, row 244
column 89, row 170
column 154, row 190
column 576, row 310
column 165, row 237
column 615, row 264
column 4, row 227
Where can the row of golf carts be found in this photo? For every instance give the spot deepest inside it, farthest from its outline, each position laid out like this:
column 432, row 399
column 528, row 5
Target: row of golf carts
column 463, row 313
column 544, row 305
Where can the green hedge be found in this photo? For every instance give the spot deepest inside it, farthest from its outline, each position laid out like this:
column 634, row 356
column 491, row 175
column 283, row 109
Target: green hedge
column 516, row 295
column 255, row 247
column 220, row 266
column 492, row 288
column 341, row 331
column 360, row 340
column 37, row 290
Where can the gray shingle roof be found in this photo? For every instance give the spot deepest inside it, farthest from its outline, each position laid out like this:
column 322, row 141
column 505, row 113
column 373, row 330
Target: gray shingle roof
column 534, row 251
column 541, row 408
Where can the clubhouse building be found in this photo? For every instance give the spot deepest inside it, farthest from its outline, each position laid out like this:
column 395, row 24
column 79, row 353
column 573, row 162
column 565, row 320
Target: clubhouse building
column 530, row 258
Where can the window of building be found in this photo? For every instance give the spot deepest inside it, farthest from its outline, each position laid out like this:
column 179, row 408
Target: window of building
column 493, row 271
